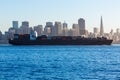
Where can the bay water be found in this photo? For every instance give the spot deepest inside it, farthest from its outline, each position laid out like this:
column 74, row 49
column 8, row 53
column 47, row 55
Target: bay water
column 59, row 62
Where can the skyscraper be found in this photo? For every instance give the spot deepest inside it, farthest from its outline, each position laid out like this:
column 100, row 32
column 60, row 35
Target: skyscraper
column 65, row 25
column 81, row 23
column 76, row 29
column 101, row 27
column 39, row 29
column 48, row 30
column 15, row 24
column 25, row 27
column 118, row 31
column 0, row 35
column 25, row 24
column 57, row 29
column 95, row 30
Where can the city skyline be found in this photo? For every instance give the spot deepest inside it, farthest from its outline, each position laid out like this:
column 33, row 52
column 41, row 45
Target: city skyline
column 58, row 28
column 81, row 23
column 39, row 12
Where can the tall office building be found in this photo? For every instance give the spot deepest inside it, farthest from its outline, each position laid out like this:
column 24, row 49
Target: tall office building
column 65, row 32
column 25, row 27
column 19, row 31
column 65, row 25
column 49, row 29
column 81, row 23
column 0, row 35
column 111, row 32
column 101, row 27
column 39, row 29
column 76, row 29
column 15, row 24
column 118, row 31
column 25, row 24
column 95, row 30
column 57, row 29
column 11, row 32
column 49, row 24
column 65, row 29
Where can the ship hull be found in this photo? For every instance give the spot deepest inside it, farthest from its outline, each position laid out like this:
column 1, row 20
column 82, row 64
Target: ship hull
column 59, row 42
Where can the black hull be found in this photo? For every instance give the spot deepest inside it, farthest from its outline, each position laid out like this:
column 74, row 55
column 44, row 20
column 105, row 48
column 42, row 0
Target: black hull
column 59, row 42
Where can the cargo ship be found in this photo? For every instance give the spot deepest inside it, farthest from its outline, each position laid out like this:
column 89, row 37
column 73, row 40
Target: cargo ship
column 28, row 39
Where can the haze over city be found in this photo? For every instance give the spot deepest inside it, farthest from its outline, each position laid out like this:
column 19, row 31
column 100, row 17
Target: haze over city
column 42, row 11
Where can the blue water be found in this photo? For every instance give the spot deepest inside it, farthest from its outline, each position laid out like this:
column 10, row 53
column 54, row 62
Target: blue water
column 59, row 62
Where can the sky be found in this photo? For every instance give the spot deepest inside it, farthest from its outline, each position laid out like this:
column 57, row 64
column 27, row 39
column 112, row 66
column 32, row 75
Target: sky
column 42, row 11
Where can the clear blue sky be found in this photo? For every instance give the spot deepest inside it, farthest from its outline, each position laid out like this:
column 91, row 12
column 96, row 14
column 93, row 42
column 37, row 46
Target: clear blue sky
column 40, row 11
